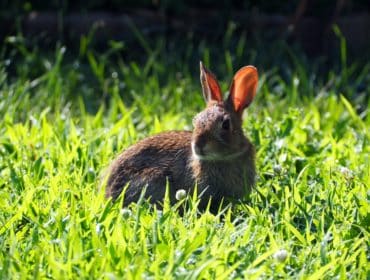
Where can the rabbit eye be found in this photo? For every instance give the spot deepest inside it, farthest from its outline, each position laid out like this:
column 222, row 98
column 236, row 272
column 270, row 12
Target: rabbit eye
column 226, row 124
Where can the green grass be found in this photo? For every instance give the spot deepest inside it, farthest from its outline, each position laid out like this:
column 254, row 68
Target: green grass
column 65, row 117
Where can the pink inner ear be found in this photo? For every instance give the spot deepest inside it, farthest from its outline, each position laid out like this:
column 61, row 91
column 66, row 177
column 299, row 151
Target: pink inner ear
column 211, row 88
column 243, row 88
column 214, row 87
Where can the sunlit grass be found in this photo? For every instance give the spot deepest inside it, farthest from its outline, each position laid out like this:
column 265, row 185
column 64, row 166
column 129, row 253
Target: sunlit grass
column 65, row 118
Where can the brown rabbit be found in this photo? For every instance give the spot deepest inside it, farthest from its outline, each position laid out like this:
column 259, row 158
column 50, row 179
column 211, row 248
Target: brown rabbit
column 216, row 157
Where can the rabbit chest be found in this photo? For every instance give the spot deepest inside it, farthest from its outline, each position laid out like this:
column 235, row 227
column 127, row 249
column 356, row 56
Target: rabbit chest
column 232, row 179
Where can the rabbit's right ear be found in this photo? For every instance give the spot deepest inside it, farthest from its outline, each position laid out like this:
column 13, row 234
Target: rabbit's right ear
column 210, row 86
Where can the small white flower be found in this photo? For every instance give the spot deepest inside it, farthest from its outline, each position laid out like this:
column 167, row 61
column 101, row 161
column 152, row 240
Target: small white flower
column 346, row 172
column 281, row 255
column 180, row 194
column 126, row 213
column 279, row 143
column 98, row 228
column 295, row 81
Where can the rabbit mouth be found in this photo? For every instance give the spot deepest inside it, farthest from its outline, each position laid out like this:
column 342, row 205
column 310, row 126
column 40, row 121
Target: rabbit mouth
column 201, row 155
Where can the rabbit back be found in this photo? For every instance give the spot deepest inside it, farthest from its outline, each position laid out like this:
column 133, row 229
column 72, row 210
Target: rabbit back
column 151, row 163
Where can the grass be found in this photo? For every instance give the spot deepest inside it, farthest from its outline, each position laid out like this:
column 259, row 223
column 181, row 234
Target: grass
column 66, row 116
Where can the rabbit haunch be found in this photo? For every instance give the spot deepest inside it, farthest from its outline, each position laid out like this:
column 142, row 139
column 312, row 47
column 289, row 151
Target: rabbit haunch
column 216, row 156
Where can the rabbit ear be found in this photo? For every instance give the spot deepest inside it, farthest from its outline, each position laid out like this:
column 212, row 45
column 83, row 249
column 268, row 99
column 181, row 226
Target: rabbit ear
column 210, row 86
column 243, row 88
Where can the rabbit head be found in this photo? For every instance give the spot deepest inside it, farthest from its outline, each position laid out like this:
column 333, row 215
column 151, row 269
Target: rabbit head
column 218, row 133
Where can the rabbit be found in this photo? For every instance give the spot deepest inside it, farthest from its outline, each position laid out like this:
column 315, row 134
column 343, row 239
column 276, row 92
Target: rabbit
column 216, row 156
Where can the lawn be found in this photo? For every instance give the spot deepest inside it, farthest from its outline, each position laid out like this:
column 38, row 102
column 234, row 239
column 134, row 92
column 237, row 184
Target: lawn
column 66, row 115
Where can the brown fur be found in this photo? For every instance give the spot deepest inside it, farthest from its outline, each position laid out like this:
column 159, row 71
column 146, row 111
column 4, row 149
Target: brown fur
column 219, row 161
column 151, row 162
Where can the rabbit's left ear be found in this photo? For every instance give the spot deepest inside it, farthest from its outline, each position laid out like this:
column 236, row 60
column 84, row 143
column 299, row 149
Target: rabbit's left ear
column 210, row 86
column 243, row 88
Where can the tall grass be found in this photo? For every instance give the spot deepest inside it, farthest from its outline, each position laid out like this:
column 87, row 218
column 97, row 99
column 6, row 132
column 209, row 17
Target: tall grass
column 66, row 116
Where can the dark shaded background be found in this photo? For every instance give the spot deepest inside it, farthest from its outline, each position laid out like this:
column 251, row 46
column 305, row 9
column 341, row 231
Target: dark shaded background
column 305, row 23
column 314, row 7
